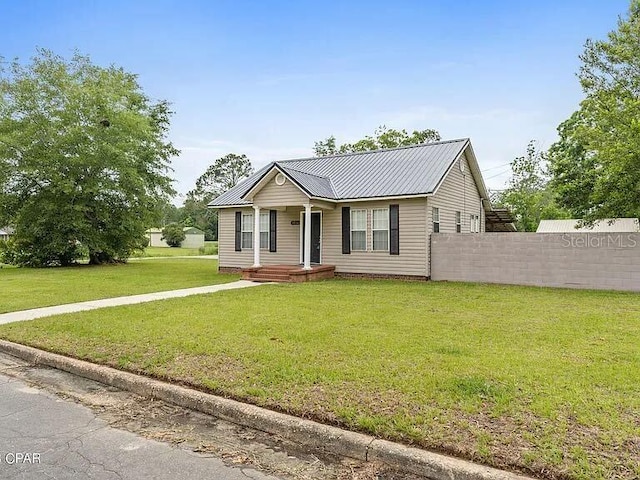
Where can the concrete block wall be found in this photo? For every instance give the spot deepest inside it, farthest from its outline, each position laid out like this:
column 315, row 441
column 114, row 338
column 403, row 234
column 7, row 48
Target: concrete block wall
column 574, row 260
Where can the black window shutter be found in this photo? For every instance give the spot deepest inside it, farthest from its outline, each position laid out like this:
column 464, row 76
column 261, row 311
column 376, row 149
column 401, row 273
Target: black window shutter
column 238, row 231
column 394, row 229
column 273, row 222
column 346, row 230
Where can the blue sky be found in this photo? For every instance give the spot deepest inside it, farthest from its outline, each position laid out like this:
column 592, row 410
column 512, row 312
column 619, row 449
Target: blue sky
column 268, row 78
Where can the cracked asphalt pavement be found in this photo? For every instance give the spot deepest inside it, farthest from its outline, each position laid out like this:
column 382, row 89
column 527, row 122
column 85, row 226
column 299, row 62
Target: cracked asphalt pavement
column 65, row 440
column 56, row 425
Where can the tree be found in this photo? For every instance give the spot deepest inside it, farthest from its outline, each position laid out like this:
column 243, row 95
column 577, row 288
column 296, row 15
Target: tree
column 221, row 176
column 383, row 137
column 529, row 195
column 596, row 163
column 173, row 234
column 224, row 174
column 169, row 213
column 84, row 160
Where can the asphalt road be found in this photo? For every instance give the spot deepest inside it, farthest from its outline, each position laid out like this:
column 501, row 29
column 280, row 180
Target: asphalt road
column 45, row 437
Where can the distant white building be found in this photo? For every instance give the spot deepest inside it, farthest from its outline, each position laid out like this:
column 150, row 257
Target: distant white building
column 194, row 238
column 5, row 233
column 608, row 225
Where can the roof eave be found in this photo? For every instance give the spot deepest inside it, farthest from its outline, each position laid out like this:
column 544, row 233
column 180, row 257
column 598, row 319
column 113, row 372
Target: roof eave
column 477, row 174
column 325, row 199
column 384, row 197
column 234, row 205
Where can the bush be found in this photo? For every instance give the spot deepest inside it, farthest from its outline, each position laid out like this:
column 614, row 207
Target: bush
column 17, row 251
column 173, row 234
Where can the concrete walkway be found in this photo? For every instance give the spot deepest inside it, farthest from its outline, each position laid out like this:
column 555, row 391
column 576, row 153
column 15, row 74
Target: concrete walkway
column 117, row 301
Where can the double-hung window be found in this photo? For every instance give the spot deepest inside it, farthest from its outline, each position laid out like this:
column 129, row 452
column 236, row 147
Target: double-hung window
column 380, row 228
column 458, row 222
column 264, row 230
column 359, row 230
column 435, row 213
column 247, row 230
column 475, row 223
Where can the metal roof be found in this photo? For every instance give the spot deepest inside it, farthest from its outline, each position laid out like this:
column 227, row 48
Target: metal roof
column 412, row 170
column 315, row 185
column 499, row 220
column 615, row 225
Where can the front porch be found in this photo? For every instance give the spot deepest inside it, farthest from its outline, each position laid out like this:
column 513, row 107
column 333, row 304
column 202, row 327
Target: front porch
column 288, row 273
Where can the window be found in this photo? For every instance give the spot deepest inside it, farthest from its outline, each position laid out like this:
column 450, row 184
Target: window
column 475, row 223
column 380, row 228
column 458, row 222
column 358, row 230
column 436, row 219
column 247, row 230
column 264, row 229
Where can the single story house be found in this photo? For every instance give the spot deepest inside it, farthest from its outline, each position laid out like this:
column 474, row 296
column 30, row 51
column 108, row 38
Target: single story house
column 194, row 238
column 610, row 225
column 366, row 213
column 5, row 233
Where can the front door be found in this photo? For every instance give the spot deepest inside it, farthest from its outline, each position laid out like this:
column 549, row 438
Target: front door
column 316, row 227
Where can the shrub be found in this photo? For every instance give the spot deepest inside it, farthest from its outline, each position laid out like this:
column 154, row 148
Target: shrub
column 173, row 234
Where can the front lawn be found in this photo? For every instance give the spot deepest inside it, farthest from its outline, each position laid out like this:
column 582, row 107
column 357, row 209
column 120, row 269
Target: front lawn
column 541, row 380
column 24, row 288
column 210, row 248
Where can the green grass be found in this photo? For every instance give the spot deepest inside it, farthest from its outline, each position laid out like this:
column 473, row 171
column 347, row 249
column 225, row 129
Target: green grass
column 210, row 248
column 540, row 380
column 24, row 288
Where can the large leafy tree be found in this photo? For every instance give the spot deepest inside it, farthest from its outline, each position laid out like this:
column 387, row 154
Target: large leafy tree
column 383, row 137
column 221, row 176
column 84, row 160
column 529, row 195
column 596, row 162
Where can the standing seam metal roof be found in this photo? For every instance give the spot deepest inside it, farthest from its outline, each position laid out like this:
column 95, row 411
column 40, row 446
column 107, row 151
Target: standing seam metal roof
column 619, row 225
column 412, row 170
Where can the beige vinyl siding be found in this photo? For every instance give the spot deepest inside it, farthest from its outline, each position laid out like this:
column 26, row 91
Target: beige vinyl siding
column 288, row 240
column 458, row 193
column 274, row 195
column 412, row 230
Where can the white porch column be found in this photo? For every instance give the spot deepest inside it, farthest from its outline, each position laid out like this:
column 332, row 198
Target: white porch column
column 307, row 237
column 256, row 236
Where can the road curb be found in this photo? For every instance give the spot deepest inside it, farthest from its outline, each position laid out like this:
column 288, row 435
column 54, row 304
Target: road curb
column 305, row 432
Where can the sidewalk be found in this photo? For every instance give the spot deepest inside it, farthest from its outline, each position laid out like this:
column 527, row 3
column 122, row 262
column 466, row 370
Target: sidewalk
column 117, row 301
